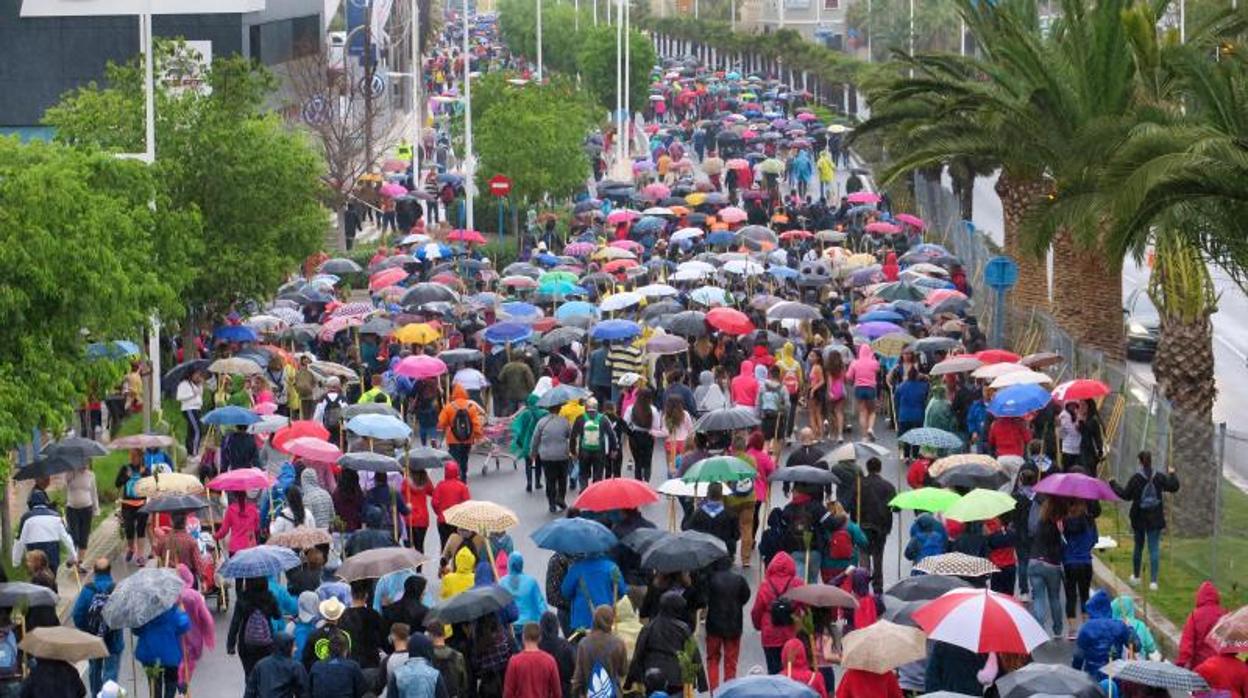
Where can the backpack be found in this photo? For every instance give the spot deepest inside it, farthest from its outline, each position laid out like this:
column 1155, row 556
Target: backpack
column 333, row 413
column 461, row 424
column 769, row 401
column 95, row 624
column 10, row 660
column 257, row 632
column 1150, row 498
column 841, row 546
column 1033, row 517
column 781, row 610
column 601, row 684
column 131, row 483
column 591, row 434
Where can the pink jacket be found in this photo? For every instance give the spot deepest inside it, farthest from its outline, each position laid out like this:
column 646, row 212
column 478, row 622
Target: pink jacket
column 744, row 387
column 862, row 370
column 242, row 527
column 765, row 467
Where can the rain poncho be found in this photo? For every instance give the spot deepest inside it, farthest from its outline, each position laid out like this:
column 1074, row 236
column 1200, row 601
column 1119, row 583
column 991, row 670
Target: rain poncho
column 202, row 632
column 801, row 169
column 589, row 583
column 939, row 413
column 316, row 499
column 160, row 639
column 525, row 590
column 522, row 427
column 1123, row 609
column 708, row 395
column 1100, row 637
column 862, row 371
column 826, row 168
column 1192, row 646
column 745, row 386
column 462, row 578
column 627, row 624
column 927, row 538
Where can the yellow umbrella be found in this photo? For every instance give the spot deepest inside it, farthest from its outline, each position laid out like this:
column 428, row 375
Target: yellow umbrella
column 860, row 260
column 949, row 462
column 612, row 253
column 168, row 483
column 696, row 198
column 892, row 343
column 417, row 333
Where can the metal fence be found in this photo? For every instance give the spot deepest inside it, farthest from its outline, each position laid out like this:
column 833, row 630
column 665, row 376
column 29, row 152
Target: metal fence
column 1136, row 418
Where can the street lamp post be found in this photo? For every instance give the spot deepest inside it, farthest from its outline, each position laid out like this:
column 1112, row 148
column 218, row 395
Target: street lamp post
column 469, row 158
column 417, row 113
column 539, row 40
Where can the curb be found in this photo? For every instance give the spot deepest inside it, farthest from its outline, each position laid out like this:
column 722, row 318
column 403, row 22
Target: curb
column 1166, row 633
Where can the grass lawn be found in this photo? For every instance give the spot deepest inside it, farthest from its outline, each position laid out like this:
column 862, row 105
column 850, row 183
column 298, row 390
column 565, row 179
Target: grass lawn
column 1186, row 562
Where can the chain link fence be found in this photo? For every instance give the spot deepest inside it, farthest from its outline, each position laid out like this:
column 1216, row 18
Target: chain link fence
column 1136, row 418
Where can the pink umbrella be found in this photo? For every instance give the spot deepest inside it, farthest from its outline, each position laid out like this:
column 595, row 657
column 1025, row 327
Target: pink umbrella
column 393, row 190
column 519, row 282
column 391, row 294
column 863, row 197
column 623, row 215
column 658, row 191
column 420, row 367
column 265, row 408
column 1080, row 389
column 630, row 245
column 911, row 220
column 241, row 480
column 941, row 294
column 313, row 449
column 883, row 228
column 749, row 133
column 579, row 249
column 732, row 214
column 806, row 116
column 1076, row 485
column 470, row 237
column 338, row 324
column 387, row 277
column 358, row 308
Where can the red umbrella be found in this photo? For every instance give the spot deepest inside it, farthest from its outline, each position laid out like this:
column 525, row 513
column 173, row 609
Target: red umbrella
column 241, row 480
column 619, row 265
column 296, row 429
column 470, row 237
column 388, row 277
column 729, row 321
column 997, row 356
column 1080, row 389
column 796, row 235
column 981, row 621
column 616, row 493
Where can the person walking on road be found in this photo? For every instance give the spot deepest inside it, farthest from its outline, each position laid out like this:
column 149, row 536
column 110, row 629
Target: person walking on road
column 876, row 519
column 278, row 675
column 461, row 421
column 727, row 594
column 1148, row 513
column 88, row 616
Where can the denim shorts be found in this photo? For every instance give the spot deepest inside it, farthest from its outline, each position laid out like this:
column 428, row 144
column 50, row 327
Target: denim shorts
column 864, row 393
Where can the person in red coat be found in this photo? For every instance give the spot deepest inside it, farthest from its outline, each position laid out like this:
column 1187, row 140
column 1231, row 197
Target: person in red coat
column 797, row 668
column 446, row 494
column 781, row 576
column 1192, row 646
column 857, row 683
column 532, row 673
column 416, row 490
column 1226, row 673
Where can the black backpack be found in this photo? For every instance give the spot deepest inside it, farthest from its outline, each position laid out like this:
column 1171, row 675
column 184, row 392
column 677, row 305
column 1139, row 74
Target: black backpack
column 781, row 610
column 333, row 413
column 461, row 425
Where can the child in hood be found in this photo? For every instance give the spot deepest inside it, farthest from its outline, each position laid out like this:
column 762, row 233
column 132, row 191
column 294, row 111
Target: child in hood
column 1123, row 609
column 1101, row 637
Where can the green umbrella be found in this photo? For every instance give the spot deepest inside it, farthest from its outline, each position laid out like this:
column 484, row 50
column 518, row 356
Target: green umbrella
column 559, row 288
column 925, row 499
column 980, row 505
column 771, row 166
column 719, row 469
column 553, row 276
column 899, row 291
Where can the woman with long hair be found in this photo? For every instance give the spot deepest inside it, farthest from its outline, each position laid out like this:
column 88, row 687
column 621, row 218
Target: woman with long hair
column 863, row 373
column 816, row 394
column 293, row 513
column 1091, row 437
column 247, row 636
column 644, row 424
column 834, row 405
column 679, row 426
column 349, row 501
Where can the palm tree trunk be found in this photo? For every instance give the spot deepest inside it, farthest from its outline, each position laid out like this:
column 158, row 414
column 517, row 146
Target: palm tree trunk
column 1017, row 194
column 1087, row 295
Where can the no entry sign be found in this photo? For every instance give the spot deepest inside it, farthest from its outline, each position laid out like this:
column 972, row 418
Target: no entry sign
column 500, row 186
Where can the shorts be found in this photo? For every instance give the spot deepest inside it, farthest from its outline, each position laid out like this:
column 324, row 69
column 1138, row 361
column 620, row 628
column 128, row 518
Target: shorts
column 133, row 523
column 863, row 393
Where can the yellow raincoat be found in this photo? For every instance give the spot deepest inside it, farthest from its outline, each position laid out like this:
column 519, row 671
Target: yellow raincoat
column 826, row 167
column 463, row 577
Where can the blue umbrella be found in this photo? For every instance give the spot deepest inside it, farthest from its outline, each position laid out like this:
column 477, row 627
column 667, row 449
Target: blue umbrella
column 314, row 295
column 1018, row 400
column 910, row 308
column 546, row 259
column 575, row 537
column 231, row 415
column 573, row 309
column 764, row 687
column 561, row 394
column 649, row 224
column 505, row 332
column 613, row 330
column 930, row 437
column 379, row 426
column 517, row 310
column 874, row 330
column 443, row 251
column 785, row 273
column 260, row 561
column 881, row 316
column 721, row 237
column 709, row 295
column 929, row 248
column 929, row 282
column 116, row 349
column 235, row 333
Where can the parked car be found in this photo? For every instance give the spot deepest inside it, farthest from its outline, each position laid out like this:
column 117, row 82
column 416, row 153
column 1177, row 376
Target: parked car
column 1143, row 325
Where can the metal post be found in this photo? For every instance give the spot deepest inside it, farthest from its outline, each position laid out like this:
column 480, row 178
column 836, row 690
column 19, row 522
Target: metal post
column 1182, row 21
column 870, row 30
column 417, row 112
column 468, row 156
column 628, row 54
column 149, row 87
column 619, row 89
column 500, row 220
column 998, row 317
column 539, row 40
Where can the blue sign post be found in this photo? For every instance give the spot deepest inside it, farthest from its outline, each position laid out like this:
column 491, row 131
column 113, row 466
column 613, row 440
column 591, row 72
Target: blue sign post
column 1000, row 274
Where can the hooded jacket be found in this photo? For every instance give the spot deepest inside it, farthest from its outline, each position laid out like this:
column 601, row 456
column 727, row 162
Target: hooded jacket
column 727, row 593
column 952, row 668
column 890, row 269
column 794, row 665
column 773, row 538
column 1192, row 646
column 527, row 593
column 781, row 575
column 627, row 624
column 463, row 578
column 862, row 370
column 856, row 683
column 460, row 401
column 600, row 646
column 316, row 499
column 708, row 395
column 745, row 386
column 449, row 492
column 590, row 583
column 1225, row 672
column 202, row 634
column 1079, row 535
column 662, row 640
column 114, row 640
column 278, row 675
column 522, row 427
column 927, row 538
column 159, row 640
column 552, row 643
column 1123, row 609
column 1101, row 637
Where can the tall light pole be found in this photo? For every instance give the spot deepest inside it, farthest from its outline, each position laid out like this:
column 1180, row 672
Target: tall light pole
column 628, row 102
column 469, row 158
column 619, row 88
column 539, row 40
column 417, row 113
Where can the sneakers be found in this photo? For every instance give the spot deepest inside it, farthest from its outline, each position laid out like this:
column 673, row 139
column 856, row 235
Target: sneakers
column 1152, row 586
column 1024, row 598
column 1133, row 580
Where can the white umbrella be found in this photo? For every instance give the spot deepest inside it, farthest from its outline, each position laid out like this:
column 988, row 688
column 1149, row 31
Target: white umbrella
column 619, row 301
column 657, row 291
column 1020, row 378
column 997, row 370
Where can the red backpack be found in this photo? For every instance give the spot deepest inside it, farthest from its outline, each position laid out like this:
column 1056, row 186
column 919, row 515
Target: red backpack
column 841, row 546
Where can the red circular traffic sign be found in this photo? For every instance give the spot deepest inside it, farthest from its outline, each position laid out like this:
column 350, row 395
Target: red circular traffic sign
column 500, row 186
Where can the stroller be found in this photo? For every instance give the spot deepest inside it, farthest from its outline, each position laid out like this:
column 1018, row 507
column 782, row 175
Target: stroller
column 497, row 444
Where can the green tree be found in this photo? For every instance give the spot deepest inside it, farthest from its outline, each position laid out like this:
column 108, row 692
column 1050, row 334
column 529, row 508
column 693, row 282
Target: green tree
column 597, row 65
column 221, row 154
column 82, row 252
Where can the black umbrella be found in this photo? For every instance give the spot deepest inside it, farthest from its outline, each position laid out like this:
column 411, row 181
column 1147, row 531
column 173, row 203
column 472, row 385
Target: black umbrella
column 76, row 449
column 379, row 326
column 682, row 552
column 901, row 612
column 173, row 502
column 661, row 309
column 180, row 372
column 587, row 205
column 560, row 337
column 471, row 605
column 925, row 588
column 1051, row 679
column 973, row 475
column 18, row 594
column 727, row 419
column 808, row 474
column 643, row 538
column 428, row 293
column 459, row 357
column 340, row 265
column 1059, row 650
column 691, row 323
column 371, row 462
column 46, row 467
column 521, row 269
column 597, row 279
column 424, row 458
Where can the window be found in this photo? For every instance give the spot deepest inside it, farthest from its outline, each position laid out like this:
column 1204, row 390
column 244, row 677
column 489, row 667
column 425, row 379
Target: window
column 831, row 4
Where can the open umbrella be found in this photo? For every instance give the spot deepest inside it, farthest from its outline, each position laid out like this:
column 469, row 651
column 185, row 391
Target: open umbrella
column 1156, row 674
column 1076, row 485
column 727, row 419
column 925, row 499
column 807, row 474
column 719, row 469
column 882, row 646
column 420, row 367
column 690, row 323
column 378, row 562
column 763, row 686
column 981, row 620
column 172, row 503
column 925, row 587
column 958, row 460
column 980, row 505
column 370, row 462
column 231, row 415
column 973, row 476
column 1080, row 389
column 616, row 493
column 471, row 604
column 379, row 426
column 301, row 538
column 956, row 364
column 822, row 596
column 139, row 598
column 46, row 467
column 260, row 561
column 930, row 437
column 615, row 330
column 1229, row 634
column 424, row 458
column 481, row 516
column 18, row 594
column 853, row 450
column 312, row 449
column 168, row 483
column 76, row 450
column 142, row 441
column 235, row 366
column 561, row 394
column 575, row 537
column 241, row 480
column 64, row 644
column 360, row 408
column 1048, row 679
column 682, row 552
column 956, row 565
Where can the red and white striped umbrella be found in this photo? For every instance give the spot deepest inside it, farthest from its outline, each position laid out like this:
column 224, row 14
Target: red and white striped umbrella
column 981, row 621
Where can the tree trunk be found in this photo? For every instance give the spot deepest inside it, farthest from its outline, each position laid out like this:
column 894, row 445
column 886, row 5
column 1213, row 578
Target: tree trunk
column 1087, row 295
column 1032, row 290
column 1184, row 368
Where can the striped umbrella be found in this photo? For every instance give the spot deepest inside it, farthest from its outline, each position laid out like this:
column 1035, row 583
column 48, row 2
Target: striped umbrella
column 981, row 620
